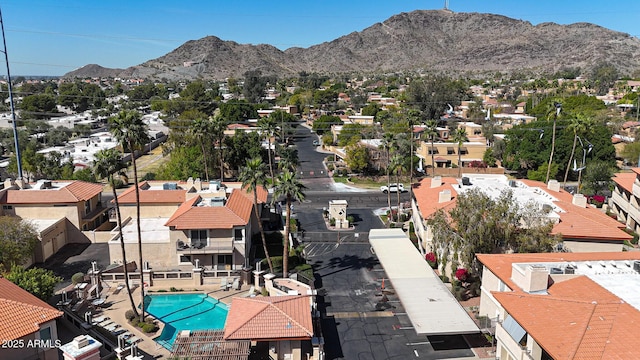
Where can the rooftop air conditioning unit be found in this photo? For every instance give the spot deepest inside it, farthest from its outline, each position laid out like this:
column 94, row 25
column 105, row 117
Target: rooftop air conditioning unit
column 569, row 270
column 556, row 270
column 512, row 183
column 636, row 266
column 465, row 181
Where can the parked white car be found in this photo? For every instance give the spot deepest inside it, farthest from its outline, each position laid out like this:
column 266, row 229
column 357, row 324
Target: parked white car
column 394, row 188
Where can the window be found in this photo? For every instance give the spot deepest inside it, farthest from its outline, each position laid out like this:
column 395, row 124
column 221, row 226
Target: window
column 185, row 259
column 237, row 235
column 225, row 262
column 464, row 151
column 433, row 151
column 198, row 239
column 45, row 334
column 451, row 150
column 7, row 207
column 87, row 207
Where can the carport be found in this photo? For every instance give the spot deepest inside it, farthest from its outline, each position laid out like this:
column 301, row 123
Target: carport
column 430, row 306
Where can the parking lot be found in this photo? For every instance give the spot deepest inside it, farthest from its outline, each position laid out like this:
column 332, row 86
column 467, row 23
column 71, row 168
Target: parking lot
column 362, row 317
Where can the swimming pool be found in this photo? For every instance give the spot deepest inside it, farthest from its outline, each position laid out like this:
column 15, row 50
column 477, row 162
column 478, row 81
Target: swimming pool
column 185, row 312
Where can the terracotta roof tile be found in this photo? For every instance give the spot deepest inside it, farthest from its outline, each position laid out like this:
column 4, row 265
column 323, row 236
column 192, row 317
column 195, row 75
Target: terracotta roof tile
column 241, row 205
column 60, row 193
column 191, row 216
column 427, row 197
column 625, row 180
column 20, row 312
column 269, row 318
column 578, row 319
column 152, row 196
column 500, row 264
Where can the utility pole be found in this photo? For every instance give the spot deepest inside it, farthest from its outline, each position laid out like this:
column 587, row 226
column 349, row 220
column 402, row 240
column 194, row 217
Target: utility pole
column 13, row 110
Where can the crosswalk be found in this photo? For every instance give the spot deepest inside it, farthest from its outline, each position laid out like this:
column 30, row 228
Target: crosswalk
column 318, row 249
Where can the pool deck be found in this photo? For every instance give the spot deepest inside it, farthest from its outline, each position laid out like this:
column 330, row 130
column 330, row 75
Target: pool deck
column 120, row 304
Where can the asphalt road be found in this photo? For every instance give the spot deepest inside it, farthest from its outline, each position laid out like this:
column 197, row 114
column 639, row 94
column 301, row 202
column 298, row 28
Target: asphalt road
column 358, row 323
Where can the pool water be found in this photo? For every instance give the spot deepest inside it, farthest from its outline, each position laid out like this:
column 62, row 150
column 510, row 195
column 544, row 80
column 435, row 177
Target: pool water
column 185, row 312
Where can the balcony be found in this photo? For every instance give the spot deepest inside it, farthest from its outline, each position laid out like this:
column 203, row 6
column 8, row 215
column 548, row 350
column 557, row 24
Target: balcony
column 213, row 246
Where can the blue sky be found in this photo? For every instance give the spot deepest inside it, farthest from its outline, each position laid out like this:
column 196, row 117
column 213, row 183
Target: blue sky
column 54, row 37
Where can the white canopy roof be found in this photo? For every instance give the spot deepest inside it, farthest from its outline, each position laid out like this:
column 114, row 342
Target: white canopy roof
column 431, row 307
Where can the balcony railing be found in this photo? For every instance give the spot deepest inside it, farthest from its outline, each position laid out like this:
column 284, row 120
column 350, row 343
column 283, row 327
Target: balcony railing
column 213, row 246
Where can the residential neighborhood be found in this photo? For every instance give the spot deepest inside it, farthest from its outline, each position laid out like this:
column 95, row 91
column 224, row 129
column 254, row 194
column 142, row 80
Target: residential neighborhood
column 362, row 216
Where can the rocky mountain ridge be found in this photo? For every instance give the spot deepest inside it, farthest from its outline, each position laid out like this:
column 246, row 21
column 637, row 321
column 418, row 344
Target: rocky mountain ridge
column 422, row 40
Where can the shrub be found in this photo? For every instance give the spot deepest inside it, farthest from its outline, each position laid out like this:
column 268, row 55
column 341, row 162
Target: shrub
column 173, row 289
column 162, row 290
column 330, row 167
column 431, row 260
column 392, row 225
column 149, row 328
column 462, row 274
column 130, row 315
column 351, row 219
column 265, row 292
column 332, row 222
column 77, row 278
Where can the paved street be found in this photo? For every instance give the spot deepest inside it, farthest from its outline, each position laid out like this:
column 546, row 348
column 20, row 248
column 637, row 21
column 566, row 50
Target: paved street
column 357, row 321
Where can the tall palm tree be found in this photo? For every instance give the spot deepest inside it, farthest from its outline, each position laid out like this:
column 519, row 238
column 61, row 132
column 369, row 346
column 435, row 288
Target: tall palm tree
column 201, row 129
column 388, row 143
column 413, row 117
column 218, row 126
column 460, row 137
column 557, row 107
column 127, row 127
column 431, row 132
column 579, row 125
column 252, row 176
column 291, row 188
column 398, row 165
column 107, row 164
column 268, row 127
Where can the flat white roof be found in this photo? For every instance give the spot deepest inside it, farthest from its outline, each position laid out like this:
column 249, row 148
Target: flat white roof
column 152, row 231
column 431, row 307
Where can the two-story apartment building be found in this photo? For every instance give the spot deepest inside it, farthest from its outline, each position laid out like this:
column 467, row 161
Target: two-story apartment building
column 189, row 224
column 59, row 211
column 562, row 305
column 625, row 198
column 583, row 228
column 28, row 329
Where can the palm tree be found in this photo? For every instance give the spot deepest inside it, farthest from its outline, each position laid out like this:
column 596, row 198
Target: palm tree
column 127, row 127
column 291, row 188
column 412, row 117
column 431, row 132
column 218, row 126
column 108, row 163
column 557, row 108
column 268, row 127
column 398, row 165
column 460, row 137
column 388, row 142
column 201, row 129
column 252, row 176
column 579, row 125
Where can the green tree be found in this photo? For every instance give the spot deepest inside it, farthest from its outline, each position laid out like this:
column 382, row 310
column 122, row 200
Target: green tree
column 253, row 176
column 107, row 164
column 323, row 124
column 18, row 240
column 254, row 86
column 460, row 137
column 389, row 144
column 481, row 224
column 268, row 129
column 399, row 166
column 38, row 106
column 603, row 77
column 540, row 174
column 184, row 162
column 235, row 111
column 127, row 127
column 202, row 130
column 579, row 125
column 37, row 281
column 357, row 157
column 631, row 153
column 597, row 177
column 431, row 95
column 431, row 133
column 291, row 188
column 350, row 134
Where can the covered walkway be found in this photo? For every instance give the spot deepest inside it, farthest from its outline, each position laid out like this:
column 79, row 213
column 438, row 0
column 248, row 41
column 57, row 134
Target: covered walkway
column 430, row 306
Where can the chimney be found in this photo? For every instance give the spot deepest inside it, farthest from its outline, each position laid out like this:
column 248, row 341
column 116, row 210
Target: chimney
column 198, row 184
column 553, row 185
column 436, row 181
column 536, row 279
column 189, row 182
column 444, row 196
column 579, row 200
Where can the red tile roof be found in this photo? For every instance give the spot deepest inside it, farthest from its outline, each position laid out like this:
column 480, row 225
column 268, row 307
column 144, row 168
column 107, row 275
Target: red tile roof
column 152, row 196
column 269, row 318
column 500, row 264
column 625, row 180
column 236, row 212
column 575, row 223
column 427, row 197
column 20, row 312
column 578, row 319
column 71, row 193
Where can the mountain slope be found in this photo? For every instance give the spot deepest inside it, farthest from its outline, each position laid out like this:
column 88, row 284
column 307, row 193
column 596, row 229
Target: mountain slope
column 436, row 40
